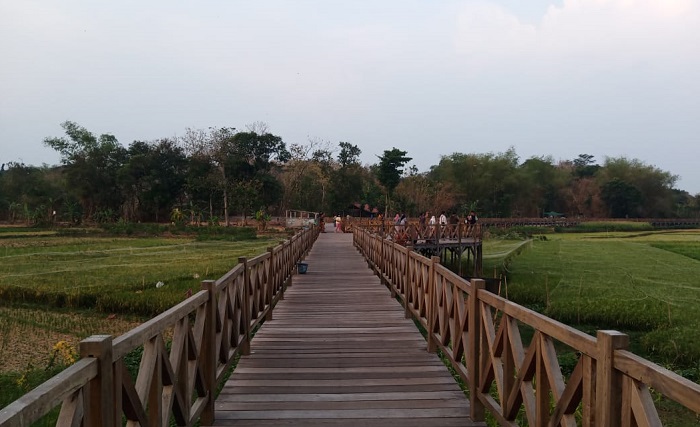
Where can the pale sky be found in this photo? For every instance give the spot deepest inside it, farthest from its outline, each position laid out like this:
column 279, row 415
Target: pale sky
column 560, row 78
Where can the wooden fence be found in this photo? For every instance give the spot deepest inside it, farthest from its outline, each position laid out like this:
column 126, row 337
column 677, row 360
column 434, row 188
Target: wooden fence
column 185, row 353
column 481, row 334
column 377, row 224
column 414, row 232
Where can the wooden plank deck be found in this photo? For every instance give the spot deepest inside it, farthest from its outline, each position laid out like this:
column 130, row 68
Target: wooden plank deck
column 339, row 352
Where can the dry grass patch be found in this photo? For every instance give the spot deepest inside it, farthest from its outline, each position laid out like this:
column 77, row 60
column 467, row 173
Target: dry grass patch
column 28, row 335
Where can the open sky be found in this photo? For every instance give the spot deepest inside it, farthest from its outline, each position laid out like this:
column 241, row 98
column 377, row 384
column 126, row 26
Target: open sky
column 547, row 77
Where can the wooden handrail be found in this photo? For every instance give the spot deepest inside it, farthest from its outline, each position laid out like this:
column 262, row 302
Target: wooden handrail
column 479, row 333
column 66, row 386
column 205, row 333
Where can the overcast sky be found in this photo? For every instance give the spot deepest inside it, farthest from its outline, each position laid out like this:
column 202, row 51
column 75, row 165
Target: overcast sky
column 561, row 78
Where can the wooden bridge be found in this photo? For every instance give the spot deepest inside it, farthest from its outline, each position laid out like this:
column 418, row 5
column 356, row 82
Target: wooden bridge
column 340, row 352
column 338, row 346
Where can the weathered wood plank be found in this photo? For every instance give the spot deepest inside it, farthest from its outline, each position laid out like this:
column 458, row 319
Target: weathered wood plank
column 340, row 352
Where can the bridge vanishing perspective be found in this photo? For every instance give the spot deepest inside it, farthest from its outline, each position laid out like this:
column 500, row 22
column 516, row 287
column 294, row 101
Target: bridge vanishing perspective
column 338, row 346
column 340, row 352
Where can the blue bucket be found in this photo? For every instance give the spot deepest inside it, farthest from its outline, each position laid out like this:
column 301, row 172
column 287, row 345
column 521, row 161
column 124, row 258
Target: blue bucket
column 302, row 267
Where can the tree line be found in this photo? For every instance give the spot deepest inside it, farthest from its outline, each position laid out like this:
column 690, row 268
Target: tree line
column 212, row 174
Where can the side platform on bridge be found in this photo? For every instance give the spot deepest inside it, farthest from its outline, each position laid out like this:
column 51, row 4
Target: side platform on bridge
column 340, row 352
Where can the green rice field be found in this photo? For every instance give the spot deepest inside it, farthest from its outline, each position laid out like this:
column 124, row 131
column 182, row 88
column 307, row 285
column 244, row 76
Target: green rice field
column 56, row 290
column 644, row 282
column 114, row 274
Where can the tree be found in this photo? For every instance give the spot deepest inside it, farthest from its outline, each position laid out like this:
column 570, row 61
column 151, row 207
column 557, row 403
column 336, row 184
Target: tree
column 654, row 185
column 623, row 199
column 584, row 166
column 29, row 193
column 491, row 179
column 349, row 154
column 306, row 176
column 390, row 169
column 539, row 181
column 255, row 157
column 211, row 151
column 153, row 179
column 91, row 165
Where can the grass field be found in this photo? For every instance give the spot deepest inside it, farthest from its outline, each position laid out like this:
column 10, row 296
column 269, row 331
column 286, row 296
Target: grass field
column 57, row 289
column 645, row 282
column 113, row 274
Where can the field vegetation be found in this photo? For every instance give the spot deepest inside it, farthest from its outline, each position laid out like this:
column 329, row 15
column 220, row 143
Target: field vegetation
column 114, row 274
column 642, row 282
column 58, row 287
column 621, row 276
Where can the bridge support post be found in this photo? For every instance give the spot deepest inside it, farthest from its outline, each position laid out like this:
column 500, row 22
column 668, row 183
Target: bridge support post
column 476, row 348
column 608, row 396
column 99, row 406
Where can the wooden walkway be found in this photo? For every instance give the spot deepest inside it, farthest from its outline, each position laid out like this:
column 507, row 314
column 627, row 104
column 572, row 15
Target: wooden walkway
column 339, row 352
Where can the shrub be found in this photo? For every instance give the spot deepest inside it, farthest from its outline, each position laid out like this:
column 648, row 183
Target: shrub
column 606, row 226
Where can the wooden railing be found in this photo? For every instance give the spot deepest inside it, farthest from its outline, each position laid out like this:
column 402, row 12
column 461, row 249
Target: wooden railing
column 481, row 334
column 415, row 233
column 184, row 353
column 376, row 225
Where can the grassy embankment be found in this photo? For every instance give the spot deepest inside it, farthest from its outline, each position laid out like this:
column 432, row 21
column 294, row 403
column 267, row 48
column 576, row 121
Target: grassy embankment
column 56, row 290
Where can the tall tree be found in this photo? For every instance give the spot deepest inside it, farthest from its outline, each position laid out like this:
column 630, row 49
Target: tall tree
column 215, row 147
column 91, row 165
column 153, row 178
column 306, row 176
column 390, row 169
column 654, row 185
column 623, row 199
column 256, row 157
column 349, row 154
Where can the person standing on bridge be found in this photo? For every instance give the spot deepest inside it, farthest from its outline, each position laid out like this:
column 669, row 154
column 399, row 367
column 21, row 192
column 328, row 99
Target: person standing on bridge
column 471, row 218
column 443, row 224
column 338, row 224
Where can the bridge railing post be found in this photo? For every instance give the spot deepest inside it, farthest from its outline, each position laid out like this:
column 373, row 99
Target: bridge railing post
column 608, row 383
column 247, row 315
column 432, row 304
column 272, row 275
column 100, row 408
column 475, row 351
column 408, row 289
column 208, row 352
column 287, row 278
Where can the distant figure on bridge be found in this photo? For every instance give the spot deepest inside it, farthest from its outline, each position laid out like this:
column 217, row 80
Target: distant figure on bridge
column 443, row 218
column 338, row 224
column 471, row 218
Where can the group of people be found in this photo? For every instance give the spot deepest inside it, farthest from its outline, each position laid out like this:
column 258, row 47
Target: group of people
column 443, row 220
column 338, row 222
